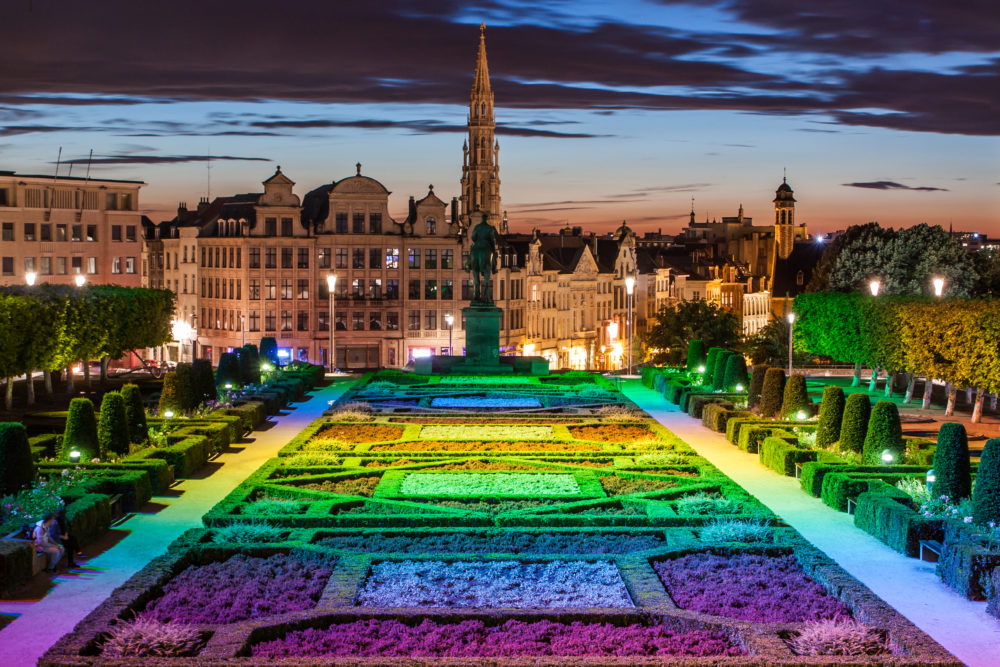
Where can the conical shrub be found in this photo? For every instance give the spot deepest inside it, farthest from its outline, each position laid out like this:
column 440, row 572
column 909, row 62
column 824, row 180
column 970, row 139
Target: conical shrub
column 179, row 392
column 696, row 355
column 885, row 434
column 736, row 374
column 16, row 468
column 135, row 414
column 249, row 364
column 772, row 392
column 756, row 386
column 986, row 499
column 228, row 370
column 112, row 429
column 269, row 350
column 719, row 373
column 831, row 414
column 203, row 378
column 81, row 430
column 951, row 462
column 854, row 425
column 795, row 398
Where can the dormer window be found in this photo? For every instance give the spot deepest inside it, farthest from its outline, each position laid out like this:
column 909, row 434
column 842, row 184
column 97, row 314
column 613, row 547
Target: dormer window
column 431, row 226
column 800, row 278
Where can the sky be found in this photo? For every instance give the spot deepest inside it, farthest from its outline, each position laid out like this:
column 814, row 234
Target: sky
column 880, row 110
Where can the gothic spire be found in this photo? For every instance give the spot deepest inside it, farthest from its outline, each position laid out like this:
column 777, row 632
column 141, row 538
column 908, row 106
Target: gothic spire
column 481, row 82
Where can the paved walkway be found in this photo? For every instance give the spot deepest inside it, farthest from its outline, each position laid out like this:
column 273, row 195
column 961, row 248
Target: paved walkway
column 907, row 584
column 42, row 622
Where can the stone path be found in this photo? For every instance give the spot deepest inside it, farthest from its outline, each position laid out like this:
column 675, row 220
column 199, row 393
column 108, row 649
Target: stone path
column 908, row 584
column 40, row 623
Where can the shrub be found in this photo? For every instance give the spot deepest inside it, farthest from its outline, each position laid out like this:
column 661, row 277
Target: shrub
column 831, row 414
column 147, row 637
column 249, row 364
column 756, row 386
column 81, row 430
column 269, row 350
column 228, row 370
column 135, row 414
column 272, row 506
column 710, row 359
column 696, row 355
column 771, row 392
column 204, row 380
column 16, row 468
column 884, row 434
column 706, row 503
column 179, row 392
column 986, row 500
column 844, row 636
column 854, row 425
column 354, row 411
column 736, row 530
column 736, row 374
column 951, row 462
column 248, row 531
column 795, row 398
column 616, row 413
column 112, row 428
column 719, row 372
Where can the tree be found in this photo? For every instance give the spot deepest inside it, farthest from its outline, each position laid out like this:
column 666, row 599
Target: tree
column 986, row 499
column 736, row 374
column 674, row 327
column 854, row 425
column 831, row 414
column 695, row 355
column 854, row 258
column 920, row 253
column 112, row 428
column 795, row 398
column 16, row 469
column 228, row 371
column 81, row 430
column 885, row 434
column 756, row 385
column 772, row 392
column 986, row 265
column 951, row 462
column 135, row 414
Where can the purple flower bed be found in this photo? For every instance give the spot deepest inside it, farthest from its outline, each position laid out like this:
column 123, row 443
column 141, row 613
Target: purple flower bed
column 469, row 639
column 240, row 588
column 750, row 587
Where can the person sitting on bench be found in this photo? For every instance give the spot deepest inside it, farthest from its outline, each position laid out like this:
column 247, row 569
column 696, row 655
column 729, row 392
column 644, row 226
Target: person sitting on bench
column 44, row 542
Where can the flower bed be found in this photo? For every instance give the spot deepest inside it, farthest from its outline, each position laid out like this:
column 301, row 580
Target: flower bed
column 358, row 433
column 478, row 446
column 473, row 638
column 618, row 486
column 478, row 380
column 485, row 432
column 493, row 506
column 747, row 586
column 495, row 584
column 479, row 403
column 489, row 484
column 508, row 541
column 240, row 588
column 361, row 486
column 611, row 433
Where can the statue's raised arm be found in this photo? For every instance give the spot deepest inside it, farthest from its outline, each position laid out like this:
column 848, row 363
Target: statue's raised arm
column 482, row 261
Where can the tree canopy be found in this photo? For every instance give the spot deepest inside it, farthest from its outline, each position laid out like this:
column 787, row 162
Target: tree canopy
column 676, row 326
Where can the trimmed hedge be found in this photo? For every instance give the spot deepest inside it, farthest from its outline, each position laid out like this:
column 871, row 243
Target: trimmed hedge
column 814, row 472
column 756, row 385
column 187, row 455
column 839, row 487
column 966, row 564
column 887, row 513
column 15, row 565
column 795, row 398
column 135, row 414
column 781, row 453
column 16, row 467
column 736, row 374
column 249, row 364
column 951, row 462
column 986, row 500
column 204, row 380
column 45, row 445
column 885, row 433
column 719, row 372
column 112, row 428
column 228, row 371
column 269, row 350
column 81, row 430
column 854, row 425
column 831, row 414
column 717, row 416
column 251, row 413
column 695, row 355
column 179, row 392
column 771, row 392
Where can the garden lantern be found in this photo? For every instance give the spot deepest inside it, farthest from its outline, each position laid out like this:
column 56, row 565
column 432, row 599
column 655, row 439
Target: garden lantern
column 74, row 456
column 874, row 286
column 938, row 286
column 80, row 280
column 887, row 457
column 30, row 277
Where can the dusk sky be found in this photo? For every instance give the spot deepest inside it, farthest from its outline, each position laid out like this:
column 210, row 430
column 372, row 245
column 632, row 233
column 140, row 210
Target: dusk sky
column 884, row 110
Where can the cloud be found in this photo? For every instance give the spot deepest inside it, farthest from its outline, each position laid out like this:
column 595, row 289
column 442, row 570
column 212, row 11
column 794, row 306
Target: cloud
column 892, row 185
column 687, row 187
column 160, row 159
column 11, row 130
column 418, row 127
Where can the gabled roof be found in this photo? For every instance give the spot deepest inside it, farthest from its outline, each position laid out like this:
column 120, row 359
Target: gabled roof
column 804, row 257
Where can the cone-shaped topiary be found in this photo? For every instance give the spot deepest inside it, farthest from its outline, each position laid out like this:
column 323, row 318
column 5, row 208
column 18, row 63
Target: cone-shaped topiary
column 204, row 380
column 771, row 392
column 249, row 364
column 854, row 425
column 951, row 462
column 112, row 429
column 831, row 414
column 710, row 359
column 696, row 355
column 756, row 386
column 179, row 393
column 269, row 350
column 885, row 435
column 719, row 373
column 16, row 468
column 795, row 398
column 736, row 374
column 81, row 430
column 986, row 499
column 228, row 371
column 135, row 414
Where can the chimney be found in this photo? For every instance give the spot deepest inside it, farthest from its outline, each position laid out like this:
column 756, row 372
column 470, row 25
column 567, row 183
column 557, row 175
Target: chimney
column 202, row 204
column 454, row 211
column 182, row 208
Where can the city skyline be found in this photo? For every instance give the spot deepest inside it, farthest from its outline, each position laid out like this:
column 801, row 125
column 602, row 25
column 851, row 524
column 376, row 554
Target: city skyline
column 600, row 117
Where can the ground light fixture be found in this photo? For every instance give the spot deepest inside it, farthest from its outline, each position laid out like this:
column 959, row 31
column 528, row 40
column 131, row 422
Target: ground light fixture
column 80, row 280
column 874, row 286
column 228, row 385
column 701, row 369
column 30, row 277
column 74, row 456
column 739, row 387
column 888, row 457
column 169, row 414
column 931, row 478
column 938, row 286
column 266, row 367
column 801, row 415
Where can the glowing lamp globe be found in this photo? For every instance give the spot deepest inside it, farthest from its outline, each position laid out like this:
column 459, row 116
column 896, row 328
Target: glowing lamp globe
column 887, row 457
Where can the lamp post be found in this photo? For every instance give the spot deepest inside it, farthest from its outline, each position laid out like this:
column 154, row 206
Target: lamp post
column 194, row 336
column 874, row 285
column 629, row 288
column 791, row 324
column 80, row 280
column 938, row 286
column 30, row 277
column 449, row 318
column 243, row 329
column 331, row 284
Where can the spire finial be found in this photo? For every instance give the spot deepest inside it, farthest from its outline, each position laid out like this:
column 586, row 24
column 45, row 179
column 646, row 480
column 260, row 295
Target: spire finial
column 784, row 179
column 279, row 167
column 431, row 187
column 358, row 165
column 482, row 30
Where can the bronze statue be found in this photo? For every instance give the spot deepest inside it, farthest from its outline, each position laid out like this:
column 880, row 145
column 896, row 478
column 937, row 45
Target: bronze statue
column 482, row 262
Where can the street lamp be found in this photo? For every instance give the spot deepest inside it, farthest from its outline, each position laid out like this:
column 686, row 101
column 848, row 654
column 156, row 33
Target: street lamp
column 629, row 288
column 450, row 320
column 243, row 329
column 874, row 286
column 791, row 325
column 80, row 280
column 938, row 286
column 331, row 284
column 30, row 277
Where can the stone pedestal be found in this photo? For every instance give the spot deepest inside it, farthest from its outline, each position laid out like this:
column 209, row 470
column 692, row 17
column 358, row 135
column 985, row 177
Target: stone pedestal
column 482, row 335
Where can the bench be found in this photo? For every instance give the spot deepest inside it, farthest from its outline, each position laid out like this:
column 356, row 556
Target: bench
column 798, row 471
column 930, row 550
column 852, row 504
column 117, row 505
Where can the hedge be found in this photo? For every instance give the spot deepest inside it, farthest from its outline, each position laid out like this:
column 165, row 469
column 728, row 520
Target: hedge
column 251, row 413
column 781, row 453
column 756, row 385
column 228, row 371
column 795, row 398
column 951, row 462
column 88, row 517
column 814, row 472
column 986, row 500
column 839, row 487
column 135, row 414
column 854, row 425
column 885, row 433
column 831, row 415
column 112, row 428
column 771, row 392
column 45, row 445
column 15, row 565
column 718, row 374
column 81, row 430
column 204, row 380
column 187, row 456
column 249, row 364
column 966, row 564
column 16, row 467
column 269, row 350
column 886, row 513
column 695, row 355
column 720, row 416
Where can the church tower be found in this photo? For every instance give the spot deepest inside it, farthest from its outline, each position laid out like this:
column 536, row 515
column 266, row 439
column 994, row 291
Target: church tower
column 480, row 163
column 784, row 220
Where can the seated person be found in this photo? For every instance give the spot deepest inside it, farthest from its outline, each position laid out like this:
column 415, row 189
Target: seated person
column 44, row 542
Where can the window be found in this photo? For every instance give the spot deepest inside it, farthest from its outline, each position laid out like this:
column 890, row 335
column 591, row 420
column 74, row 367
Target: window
column 392, row 289
column 413, row 320
column 303, row 258
column 375, row 288
column 116, row 232
column 91, row 265
column 126, row 201
column 358, row 223
column 374, row 258
column 254, row 293
column 303, row 291
column 323, row 258
column 254, row 258
column 77, row 231
column 270, row 258
column 465, row 260
column 392, row 258
column 286, row 227
column 358, row 321
column 286, row 320
column 430, row 258
column 270, row 288
column 76, row 263
column 45, row 232
column 466, row 290
column 111, row 201
column 286, row 258
column 46, row 266
column 414, row 258
column 448, row 259
column 341, row 322
column 374, row 321
column 8, row 231
column 116, row 264
column 374, row 223
column 341, row 258
column 270, row 226
column 323, row 320
column 341, row 223
column 357, row 285
column 392, row 321
column 254, row 323
column 430, row 320
column 286, row 288
column 447, row 289
column 129, row 265
column 358, row 258
column 61, row 266
column 800, row 278
column 8, row 266
column 29, row 264
column 129, row 233
column 239, row 257
column 431, row 226
column 430, row 289
column 302, row 320
column 414, row 290
column 269, row 320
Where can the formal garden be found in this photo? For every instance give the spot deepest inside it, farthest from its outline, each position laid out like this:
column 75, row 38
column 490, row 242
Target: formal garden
column 507, row 520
